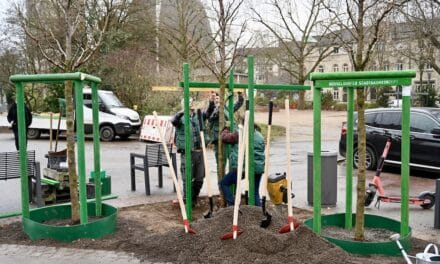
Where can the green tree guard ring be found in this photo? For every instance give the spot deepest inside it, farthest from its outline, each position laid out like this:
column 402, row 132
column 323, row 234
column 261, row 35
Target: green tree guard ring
column 388, row 248
column 35, row 227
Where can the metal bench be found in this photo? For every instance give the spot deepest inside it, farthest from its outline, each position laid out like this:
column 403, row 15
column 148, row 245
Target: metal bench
column 154, row 157
column 10, row 169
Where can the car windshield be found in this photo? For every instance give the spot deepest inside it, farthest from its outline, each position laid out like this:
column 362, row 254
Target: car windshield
column 110, row 100
column 436, row 113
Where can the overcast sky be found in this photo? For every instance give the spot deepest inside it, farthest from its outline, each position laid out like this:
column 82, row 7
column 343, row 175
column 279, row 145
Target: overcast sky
column 4, row 4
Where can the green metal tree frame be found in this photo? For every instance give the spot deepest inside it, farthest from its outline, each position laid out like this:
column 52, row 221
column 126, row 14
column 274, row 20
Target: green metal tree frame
column 359, row 80
column 250, row 86
column 79, row 79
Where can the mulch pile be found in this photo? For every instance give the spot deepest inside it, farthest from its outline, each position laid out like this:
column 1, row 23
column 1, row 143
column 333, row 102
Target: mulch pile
column 255, row 244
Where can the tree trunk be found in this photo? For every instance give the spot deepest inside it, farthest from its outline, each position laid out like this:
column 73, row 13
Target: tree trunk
column 359, row 58
column 221, row 125
column 301, row 99
column 360, row 205
column 73, row 177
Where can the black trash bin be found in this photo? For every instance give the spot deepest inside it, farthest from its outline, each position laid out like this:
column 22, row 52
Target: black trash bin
column 329, row 178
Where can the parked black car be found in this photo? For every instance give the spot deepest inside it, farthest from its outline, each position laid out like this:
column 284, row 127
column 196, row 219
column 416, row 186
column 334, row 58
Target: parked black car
column 382, row 123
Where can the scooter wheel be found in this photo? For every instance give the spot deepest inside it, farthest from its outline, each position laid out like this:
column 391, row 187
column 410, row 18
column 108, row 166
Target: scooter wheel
column 369, row 195
column 430, row 197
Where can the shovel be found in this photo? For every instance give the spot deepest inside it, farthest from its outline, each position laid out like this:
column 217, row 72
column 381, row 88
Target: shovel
column 205, row 161
column 241, row 147
column 188, row 228
column 267, row 218
column 291, row 223
column 396, row 238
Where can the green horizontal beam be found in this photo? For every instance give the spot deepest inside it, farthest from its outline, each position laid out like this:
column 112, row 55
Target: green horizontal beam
column 17, row 213
column 54, row 77
column 245, row 86
column 314, row 76
column 356, row 83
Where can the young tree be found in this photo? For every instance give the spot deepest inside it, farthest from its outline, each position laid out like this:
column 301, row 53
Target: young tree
column 67, row 34
column 359, row 28
column 220, row 53
column 296, row 37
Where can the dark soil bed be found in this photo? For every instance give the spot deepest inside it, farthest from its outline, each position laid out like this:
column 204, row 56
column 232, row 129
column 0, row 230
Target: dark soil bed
column 67, row 222
column 370, row 234
column 154, row 232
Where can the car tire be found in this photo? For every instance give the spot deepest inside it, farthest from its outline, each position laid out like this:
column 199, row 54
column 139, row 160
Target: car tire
column 106, row 133
column 33, row 133
column 370, row 161
column 427, row 196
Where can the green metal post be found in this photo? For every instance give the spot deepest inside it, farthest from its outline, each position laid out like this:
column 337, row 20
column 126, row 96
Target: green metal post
column 188, row 170
column 317, row 160
column 251, row 130
column 96, row 149
column 349, row 163
column 405, row 150
column 80, row 144
column 22, row 149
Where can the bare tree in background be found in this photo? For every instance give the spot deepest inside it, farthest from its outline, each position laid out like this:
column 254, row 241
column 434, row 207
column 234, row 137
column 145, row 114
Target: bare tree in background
column 221, row 52
column 67, row 34
column 183, row 27
column 360, row 25
column 297, row 39
column 423, row 17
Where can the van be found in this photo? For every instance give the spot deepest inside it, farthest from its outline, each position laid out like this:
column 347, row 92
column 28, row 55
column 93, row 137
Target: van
column 115, row 119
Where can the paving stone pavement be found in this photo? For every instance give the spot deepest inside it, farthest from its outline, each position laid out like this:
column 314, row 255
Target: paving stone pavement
column 53, row 255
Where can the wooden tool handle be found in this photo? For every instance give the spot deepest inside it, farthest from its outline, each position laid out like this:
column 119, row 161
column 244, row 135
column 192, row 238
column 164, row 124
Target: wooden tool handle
column 289, row 172
column 173, row 174
column 205, row 159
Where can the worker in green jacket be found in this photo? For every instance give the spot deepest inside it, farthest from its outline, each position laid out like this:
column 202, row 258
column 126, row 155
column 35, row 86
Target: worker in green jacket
column 213, row 121
column 197, row 165
column 231, row 177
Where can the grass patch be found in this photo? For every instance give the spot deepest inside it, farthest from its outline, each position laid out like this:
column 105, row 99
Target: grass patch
column 277, row 131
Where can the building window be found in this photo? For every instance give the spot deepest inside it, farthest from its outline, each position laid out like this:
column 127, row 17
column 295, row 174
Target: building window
column 336, row 94
column 320, row 68
column 345, row 67
column 426, row 84
column 399, row 66
column 335, row 68
column 336, row 50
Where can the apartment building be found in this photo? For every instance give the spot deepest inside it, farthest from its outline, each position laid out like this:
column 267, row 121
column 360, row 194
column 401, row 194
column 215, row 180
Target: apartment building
column 400, row 49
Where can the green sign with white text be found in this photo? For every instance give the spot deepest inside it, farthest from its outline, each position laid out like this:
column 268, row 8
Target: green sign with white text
column 362, row 82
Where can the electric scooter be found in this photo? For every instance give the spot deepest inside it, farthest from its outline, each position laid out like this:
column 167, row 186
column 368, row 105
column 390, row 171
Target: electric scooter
column 425, row 199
